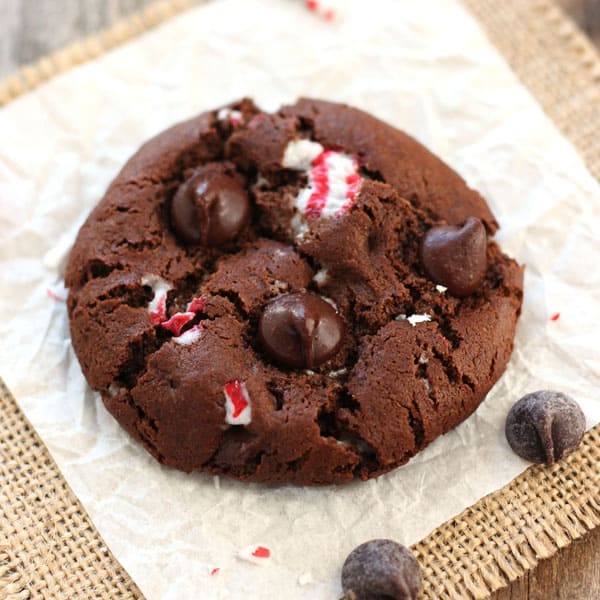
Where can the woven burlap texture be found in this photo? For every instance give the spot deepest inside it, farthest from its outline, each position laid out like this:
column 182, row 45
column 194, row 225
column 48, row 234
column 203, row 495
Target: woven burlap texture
column 50, row 549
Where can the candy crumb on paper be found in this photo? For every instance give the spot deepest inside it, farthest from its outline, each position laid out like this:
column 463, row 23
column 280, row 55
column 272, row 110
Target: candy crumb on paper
column 330, row 10
column 555, row 317
column 57, row 292
column 305, row 579
column 257, row 554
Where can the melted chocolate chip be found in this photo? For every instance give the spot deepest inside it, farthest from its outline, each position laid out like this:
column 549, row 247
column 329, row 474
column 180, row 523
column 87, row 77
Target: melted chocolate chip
column 210, row 209
column 545, row 426
column 456, row 256
column 381, row 569
column 300, row 330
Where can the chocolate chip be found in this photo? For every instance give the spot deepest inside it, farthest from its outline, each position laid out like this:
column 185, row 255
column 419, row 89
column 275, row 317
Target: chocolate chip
column 456, row 256
column 381, row 569
column 300, row 330
column 210, row 209
column 545, row 426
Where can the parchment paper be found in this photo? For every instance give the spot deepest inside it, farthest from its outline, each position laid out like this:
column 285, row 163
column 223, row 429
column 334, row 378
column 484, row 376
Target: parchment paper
column 422, row 66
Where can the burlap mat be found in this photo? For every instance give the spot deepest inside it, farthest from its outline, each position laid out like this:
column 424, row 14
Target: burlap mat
column 49, row 548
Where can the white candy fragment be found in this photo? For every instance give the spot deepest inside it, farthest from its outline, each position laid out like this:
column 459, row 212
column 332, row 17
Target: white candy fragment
column 158, row 305
column 321, row 277
column 299, row 154
column 234, row 117
column 190, row 336
column 414, row 319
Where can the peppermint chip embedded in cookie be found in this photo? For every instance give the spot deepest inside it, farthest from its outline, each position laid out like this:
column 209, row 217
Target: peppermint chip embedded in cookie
column 276, row 297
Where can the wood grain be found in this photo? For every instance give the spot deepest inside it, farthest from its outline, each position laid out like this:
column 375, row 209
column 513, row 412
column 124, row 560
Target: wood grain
column 572, row 574
column 32, row 28
column 586, row 13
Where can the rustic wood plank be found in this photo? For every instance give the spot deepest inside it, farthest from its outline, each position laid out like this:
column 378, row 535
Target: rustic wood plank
column 586, row 13
column 31, row 28
column 572, row 574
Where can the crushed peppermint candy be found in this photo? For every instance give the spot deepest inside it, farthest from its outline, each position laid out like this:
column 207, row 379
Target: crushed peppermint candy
column 190, row 336
column 176, row 323
column 257, row 554
column 158, row 305
column 414, row 319
column 441, row 288
column 333, row 180
column 331, row 302
column 321, row 277
column 196, row 305
column 57, row 292
column 328, row 9
column 238, row 409
column 555, row 317
column 213, row 570
column 333, row 185
column 300, row 154
column 234, row 117
column 337, row 372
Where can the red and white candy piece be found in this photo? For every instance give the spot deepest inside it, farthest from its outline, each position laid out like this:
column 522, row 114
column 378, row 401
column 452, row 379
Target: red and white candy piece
column 328, row 9
column 238, row 408
column 176, row 323
column 180, row 319
column 257, row 554
column 57, row 292
column 333, row 179
column 158, row 305
column 196, row 305
column 234, row 117
column 190, row 336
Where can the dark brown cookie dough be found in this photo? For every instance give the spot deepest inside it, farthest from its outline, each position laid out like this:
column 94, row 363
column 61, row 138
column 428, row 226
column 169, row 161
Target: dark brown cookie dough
column 166, row 324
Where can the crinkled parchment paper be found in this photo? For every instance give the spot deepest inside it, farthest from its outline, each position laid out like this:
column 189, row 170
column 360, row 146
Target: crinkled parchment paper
column 423, row 66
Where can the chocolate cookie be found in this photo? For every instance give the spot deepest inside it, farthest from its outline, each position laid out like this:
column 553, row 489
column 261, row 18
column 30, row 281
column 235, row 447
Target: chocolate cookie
column 307, row 296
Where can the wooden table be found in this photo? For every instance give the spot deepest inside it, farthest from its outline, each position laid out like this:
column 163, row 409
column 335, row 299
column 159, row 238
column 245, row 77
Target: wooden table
column 32, row 28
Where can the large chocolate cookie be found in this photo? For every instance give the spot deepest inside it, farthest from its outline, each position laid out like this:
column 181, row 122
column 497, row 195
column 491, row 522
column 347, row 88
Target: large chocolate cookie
column 306, row 296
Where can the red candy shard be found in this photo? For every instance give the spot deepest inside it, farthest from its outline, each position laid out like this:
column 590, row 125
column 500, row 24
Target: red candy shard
column 235, row 393
column 256, row 554
column 555, row 316
column 159, row 314
column 197, row 305
column 320, row 179
column 176, row 323
column 214, row 571
column 52, row 294
column 261, row 552
column 237, row 403
column 312, row 4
